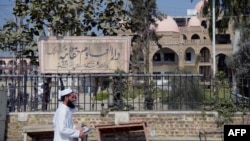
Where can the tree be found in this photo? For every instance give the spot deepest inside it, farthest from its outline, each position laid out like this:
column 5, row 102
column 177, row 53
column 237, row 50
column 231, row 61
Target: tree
column 78, row 17
column 143, row 15
column 81, row 17
column 35, row 18
column 242, row 58
column 235, row 12
column 75, row 17
column 14, row 40
column 185, row 93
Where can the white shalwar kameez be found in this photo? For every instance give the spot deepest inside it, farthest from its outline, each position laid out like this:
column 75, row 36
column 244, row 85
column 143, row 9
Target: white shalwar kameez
column 63, row 124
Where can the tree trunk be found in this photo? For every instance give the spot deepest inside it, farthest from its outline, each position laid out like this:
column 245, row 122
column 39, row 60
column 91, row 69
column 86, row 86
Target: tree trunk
column 235, row 49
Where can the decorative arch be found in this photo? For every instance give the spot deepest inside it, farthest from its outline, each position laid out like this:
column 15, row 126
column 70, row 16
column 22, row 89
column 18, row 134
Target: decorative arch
column 12, row 64
column 195, row 37
column 189, row 55
column 221, row 63
column 2, row 63
column 184, row 37
column 2, row 66
column 205, row 54
column 204, row 24
column 166, row 55
column 164, row 60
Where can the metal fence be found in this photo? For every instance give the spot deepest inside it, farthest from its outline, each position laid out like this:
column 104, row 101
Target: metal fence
column 137, row 92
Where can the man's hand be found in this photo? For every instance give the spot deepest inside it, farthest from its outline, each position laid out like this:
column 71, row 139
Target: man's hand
column 81, row 135
column 78, row 128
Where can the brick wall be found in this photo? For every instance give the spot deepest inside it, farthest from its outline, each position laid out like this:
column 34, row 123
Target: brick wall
column 162, row 125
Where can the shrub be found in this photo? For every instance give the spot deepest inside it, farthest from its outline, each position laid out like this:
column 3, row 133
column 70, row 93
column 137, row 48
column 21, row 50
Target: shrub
column 102, row 95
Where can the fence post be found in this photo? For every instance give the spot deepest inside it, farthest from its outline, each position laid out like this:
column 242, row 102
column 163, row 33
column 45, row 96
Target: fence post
column 3, row 112
column 25, row 95
column 248, row 85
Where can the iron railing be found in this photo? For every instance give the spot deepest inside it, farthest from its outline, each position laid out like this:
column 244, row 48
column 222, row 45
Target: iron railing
column 137, row 92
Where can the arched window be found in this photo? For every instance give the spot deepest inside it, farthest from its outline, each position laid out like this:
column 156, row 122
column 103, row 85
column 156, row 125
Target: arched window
column 195, row 37
column 204, row 24
column 205, row 54
column 189, row 55
column 184, row 37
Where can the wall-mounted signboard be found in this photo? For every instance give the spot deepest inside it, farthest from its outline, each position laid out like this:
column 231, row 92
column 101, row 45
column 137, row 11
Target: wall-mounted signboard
column 81, row 54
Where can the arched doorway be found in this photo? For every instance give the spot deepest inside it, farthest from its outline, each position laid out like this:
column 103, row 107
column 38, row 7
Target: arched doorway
column 222, row 65
column 205, row 54
column 190, row 55
column 165, row 60
column 205, row 66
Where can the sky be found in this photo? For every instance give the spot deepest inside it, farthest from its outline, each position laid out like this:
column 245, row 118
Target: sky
column 176, row 7
column 169, row 7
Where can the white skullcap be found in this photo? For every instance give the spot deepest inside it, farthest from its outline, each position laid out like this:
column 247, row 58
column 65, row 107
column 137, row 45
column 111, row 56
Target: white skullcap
column 65, row 92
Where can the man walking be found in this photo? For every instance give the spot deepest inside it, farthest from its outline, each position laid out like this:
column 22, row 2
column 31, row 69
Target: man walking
column 64, row 128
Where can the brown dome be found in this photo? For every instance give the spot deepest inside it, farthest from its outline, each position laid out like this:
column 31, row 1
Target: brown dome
column 194, row 21
column 166, row 25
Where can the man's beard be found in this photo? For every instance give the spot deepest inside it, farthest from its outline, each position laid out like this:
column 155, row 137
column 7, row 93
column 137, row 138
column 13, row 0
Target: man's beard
column 71, row 105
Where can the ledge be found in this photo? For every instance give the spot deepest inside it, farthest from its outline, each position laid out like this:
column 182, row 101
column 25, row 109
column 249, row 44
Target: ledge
column 38, row 128
column 38, row 131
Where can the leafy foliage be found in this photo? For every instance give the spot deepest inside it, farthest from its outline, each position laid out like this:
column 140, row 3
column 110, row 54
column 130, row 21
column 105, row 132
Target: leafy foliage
column 101, row 95
column 226, row 110
column 239, row 61
column 143, row 14
column 225, row 107
column 81, row 17
column 36, row 18
column 242, row 59
column 235, row 12
column 14, row 40
column 184, row 89
column 226, row 10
